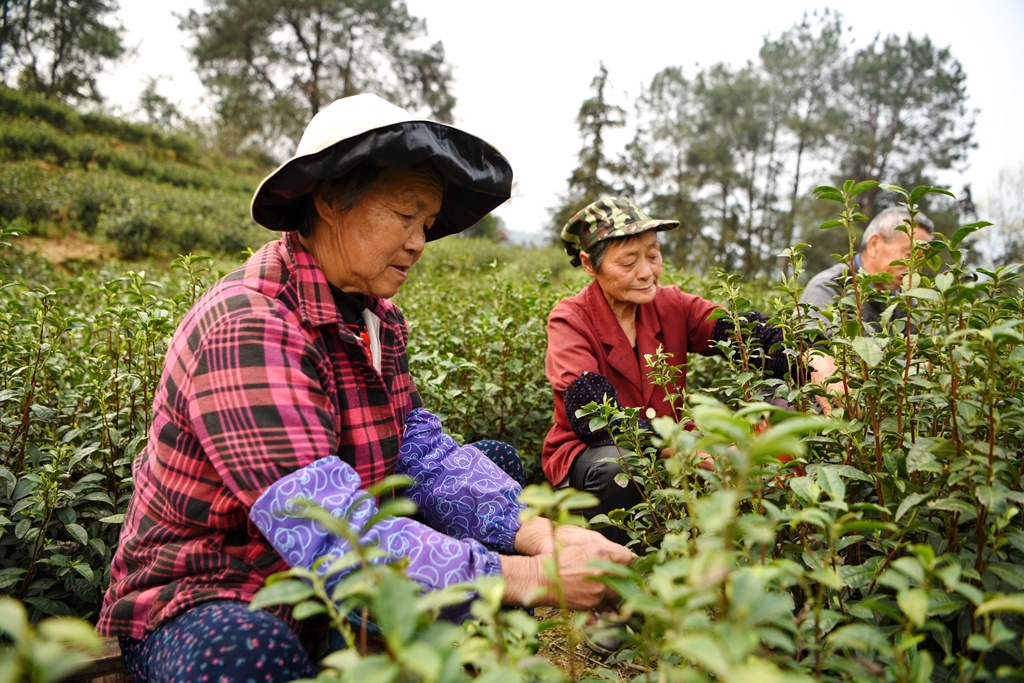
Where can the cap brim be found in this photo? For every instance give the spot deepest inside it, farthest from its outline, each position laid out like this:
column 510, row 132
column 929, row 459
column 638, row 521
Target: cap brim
column 478, row 178
column 657, row 224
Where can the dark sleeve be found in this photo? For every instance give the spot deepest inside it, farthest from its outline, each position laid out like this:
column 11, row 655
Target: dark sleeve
column 773, row 359
column 591, row 387
column 824, row 287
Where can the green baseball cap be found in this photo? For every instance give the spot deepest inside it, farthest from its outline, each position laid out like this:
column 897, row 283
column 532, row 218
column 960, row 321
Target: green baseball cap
column 607, row 218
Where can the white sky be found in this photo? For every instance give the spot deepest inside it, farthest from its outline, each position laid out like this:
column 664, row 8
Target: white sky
column 523, row 68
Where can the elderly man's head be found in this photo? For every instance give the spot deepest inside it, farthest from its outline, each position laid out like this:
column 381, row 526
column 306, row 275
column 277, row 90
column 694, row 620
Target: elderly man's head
column 883, row 244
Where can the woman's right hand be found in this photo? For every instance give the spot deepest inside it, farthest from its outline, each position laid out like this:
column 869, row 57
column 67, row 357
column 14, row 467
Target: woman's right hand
column 538, row 536
column 528, row 584
column 825, row 373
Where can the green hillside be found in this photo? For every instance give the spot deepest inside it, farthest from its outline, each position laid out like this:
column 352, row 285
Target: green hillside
column 144, row 191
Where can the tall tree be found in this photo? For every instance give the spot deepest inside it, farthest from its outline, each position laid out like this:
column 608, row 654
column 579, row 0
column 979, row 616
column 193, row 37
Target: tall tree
column 804, row 67
column 270, row 65
column 58, row 47
column 490, row 227
column 655, row 166
column 594, row 173
column 157, row 109
column 907, row 114
column 733, row 157
column 1003, row 242
column 727, row 151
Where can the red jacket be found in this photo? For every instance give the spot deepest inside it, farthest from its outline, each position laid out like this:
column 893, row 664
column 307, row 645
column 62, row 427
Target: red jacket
column 583, row 335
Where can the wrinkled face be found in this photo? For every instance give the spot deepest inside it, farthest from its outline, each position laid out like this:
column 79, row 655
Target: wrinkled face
column 879, row 256
column 630, row 269
column 370, row 248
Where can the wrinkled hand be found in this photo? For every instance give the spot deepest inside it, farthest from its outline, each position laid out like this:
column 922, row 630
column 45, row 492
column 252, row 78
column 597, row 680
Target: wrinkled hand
column 823, row 370
column 706, row 463
column 538, row 536
column 527, row 583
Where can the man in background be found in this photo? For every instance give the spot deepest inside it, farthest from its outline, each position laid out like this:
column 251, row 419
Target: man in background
column 883, row 249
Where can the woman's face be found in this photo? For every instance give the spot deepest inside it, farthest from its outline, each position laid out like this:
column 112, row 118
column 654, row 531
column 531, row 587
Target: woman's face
column 630, row 269
column 370, row 248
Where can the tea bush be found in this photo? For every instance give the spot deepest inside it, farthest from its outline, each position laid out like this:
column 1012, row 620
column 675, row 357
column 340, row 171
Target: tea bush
column 891, row 548
column 18, row 104
column 140, row 218
column 80, row 357
column 477, row 338
column 48, row 652
column 883, row 542
column 145, row 191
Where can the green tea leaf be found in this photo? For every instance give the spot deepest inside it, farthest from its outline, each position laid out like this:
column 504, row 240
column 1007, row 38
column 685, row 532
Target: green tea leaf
column 862, row 187
column 831, row 483
column 914, row 603
column 78, row 533
column 861, row 638
column 911, row 501
column 1003, row 603
column 287, row 592
column 870, row 349
column 924, row 294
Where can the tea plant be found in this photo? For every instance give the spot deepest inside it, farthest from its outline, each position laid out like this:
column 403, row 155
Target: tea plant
column 80, row 364
column 50, row 651
column 890, row 548
column 145, row 192
column 357, row 590
column 892, row 551
column 477, row 344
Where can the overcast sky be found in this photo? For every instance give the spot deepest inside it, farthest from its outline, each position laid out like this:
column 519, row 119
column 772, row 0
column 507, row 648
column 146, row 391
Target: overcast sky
column 523, row 68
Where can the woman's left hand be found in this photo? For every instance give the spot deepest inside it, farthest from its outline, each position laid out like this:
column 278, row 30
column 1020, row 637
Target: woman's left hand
column 538, row 536
column 527, row 582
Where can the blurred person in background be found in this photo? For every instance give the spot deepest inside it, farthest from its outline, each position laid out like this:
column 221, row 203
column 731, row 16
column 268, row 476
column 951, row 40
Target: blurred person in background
column 884, row 250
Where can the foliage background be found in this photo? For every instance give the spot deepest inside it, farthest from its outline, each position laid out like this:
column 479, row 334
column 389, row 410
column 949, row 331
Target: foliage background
column 890, row 549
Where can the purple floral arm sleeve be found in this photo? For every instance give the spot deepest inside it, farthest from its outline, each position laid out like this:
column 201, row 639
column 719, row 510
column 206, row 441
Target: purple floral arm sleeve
column 435, row 559
column 457, row 489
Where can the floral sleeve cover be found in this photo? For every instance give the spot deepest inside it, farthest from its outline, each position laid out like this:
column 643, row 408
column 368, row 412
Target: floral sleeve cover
column 456, row 488
column 447, row 483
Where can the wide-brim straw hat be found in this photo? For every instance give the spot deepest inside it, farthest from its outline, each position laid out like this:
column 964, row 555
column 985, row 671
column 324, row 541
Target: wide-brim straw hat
column 366, row 128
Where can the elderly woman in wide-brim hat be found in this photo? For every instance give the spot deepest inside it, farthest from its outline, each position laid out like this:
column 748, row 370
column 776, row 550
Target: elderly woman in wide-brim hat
column 598, row 338
column 289, row 380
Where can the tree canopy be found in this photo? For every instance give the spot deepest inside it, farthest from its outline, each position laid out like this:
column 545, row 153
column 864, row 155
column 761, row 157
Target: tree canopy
column 58, row 47
column 270, row 65
column 592, row 178
column 729, row 150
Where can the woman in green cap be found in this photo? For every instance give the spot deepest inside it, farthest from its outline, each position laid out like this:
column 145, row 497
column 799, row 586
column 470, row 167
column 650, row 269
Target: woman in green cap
column 597, row 340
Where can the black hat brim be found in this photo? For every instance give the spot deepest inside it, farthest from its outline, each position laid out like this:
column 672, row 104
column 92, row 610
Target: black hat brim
column 478, row 178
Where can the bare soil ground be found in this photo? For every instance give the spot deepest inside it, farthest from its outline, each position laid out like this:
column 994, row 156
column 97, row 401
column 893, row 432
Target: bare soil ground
column 566, row 648
column 67, row 249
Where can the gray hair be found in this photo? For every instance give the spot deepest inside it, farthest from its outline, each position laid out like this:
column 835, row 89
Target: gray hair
column 343, row 192
column 886, row 222
column 596, row 254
